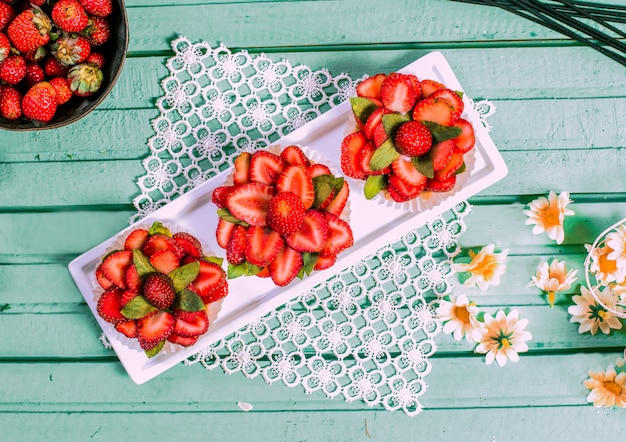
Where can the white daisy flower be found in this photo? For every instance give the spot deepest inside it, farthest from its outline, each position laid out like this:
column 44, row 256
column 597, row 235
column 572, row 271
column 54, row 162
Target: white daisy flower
column 485, row 268
column 591, row 315
column 604, row 267
column 608, row 389
column 553, row 278
column 459, row 317
column 504, row 337
column 548, row 214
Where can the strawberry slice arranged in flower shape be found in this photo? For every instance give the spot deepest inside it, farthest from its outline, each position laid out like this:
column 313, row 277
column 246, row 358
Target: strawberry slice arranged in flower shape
column 410, row 137
column 159, row 287
column 273, row 219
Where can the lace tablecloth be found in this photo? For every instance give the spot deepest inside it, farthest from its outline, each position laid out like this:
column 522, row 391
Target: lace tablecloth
column 365, row 334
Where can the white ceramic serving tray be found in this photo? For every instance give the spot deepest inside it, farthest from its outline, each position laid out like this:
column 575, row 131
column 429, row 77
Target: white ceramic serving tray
column 374, row 225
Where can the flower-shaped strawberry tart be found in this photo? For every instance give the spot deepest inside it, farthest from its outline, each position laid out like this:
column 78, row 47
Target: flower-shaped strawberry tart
column 410, row 136
column 157, row 288
column 281, row 217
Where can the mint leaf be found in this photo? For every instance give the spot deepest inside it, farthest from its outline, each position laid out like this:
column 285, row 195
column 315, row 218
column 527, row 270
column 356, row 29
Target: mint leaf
column 338, row 184
column 460, row 169
column 182, row 276
column 373, row 185
column 137, row 308
column 225, row 214
column 142, row 263
column 323, row 186
column 391, row 122
column 384, row 156
column 159, row 228
column 442, row 133
column 309, row 261
column 362, row 108
column 214, row 259
column 460, row 94
column 188, row 301
column 245, row 269
column 155, row 350
column 424, row 165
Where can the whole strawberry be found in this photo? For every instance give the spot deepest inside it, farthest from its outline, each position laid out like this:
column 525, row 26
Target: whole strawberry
column 10, row 103
column 34, row 74
column 99, row 8
column 97, row 31
column 39, row 103
column 5, row 47
column 85, row 79
column 53, row 68
column 285, row 213
column 69, row 15
column 159, row 290
column 413, row 139
column 96, row 58
column 13, row 69
column 62, row 87
column 71, row 50
column 6, row 15
column 29, row 30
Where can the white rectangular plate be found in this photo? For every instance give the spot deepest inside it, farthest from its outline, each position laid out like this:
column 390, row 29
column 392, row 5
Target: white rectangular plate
column 374, row 225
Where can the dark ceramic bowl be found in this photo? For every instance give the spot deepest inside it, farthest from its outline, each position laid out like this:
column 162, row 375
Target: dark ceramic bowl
column 114, row 52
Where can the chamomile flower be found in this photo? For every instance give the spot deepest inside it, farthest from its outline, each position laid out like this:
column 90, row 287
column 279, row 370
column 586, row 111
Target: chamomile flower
column 459, row 317
column 553, row 278
column 548, row 214
column 608, row 389
column 616, row 240
column 603, row 267
column 484, row 269
column 591, row 315
column 504, row 337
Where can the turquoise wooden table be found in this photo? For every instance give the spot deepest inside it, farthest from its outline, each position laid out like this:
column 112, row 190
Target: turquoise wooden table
column 559, row 124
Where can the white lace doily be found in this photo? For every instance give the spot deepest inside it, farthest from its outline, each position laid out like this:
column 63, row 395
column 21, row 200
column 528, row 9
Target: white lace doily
column 365, row 334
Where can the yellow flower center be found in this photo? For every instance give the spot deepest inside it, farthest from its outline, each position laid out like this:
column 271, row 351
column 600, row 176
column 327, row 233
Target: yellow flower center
column 551, row 216
column 613, row 387
column 606, row 266
column 462, row 314
column 602, row 314
column 486, row 267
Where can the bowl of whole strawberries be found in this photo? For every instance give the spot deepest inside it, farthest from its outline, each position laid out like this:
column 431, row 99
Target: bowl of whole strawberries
column 59, row 59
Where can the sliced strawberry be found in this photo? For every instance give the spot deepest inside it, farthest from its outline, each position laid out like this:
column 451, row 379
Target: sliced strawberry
column 350, row 147
column 182, row 340
column 466, row 141
column 102, row 280
column 262, row 245
column 236, row 249
column 364, row 158
column 189, row 243
column 397, row 93
column 312, row 235
column 437, row 110
column 370, row 87
column 406, row 191
column 338, row 203
column 293, row 155
column 249, row 202
column 153, row 329
column 223, row 232
column 220, row 195
column 128, row 328
column 430, row 86
column 110, row 306
column 115, row 265
column 406, row 171
column 264, row 273
column 452, row 97
column 318, row 169
column 373, row 121
column 217, row 293
column 158, row 242
column 286, row 266
column 456, row 160
column 136, row 239
column 266, row 167
column 192, row 325
column 325, row 262
column 417, row 87
column 209, row 278
column 296, row 179
column 380, row 135
column 441, row 186
column 242, row 169
column 285, row 213
column 339, row 235
column 441, row 154
column 395, row 195
column 128, row 295
column 164, row 261
column 133, row 280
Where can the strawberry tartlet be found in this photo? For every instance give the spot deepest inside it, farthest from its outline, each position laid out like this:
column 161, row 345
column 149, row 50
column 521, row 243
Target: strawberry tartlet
column 156, row 287
column 283, row 216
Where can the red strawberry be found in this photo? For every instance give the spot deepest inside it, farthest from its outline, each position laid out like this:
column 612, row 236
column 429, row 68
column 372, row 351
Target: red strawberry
column 29, row 30
column 155, row 328
column 311, row 237
column 70, row 50
column 98, row 31
column 85, row 79
column 293, row 155
column 413, row 139
column 296, row 179
column 285, row 213
column 441, row 154
column 325, row 262
column 435, row 185
column 406, row 171
column 96, row 58
column 350, row 148
column 5, row 46
column 128, row 328
column 161, row 242
column 53, row 68
column 39, row 102
column 373, row 121
column 430, row 86
column 466, row 141
column 286, row 266
column 370, row 87
column 216, row 294
column 181, row 340
column 102, row 280
column 266, row 167
column 249, row 202
column 99, row 8
column 10, row 103
column 110, row 306
column 223, row 232
column 395, row 195
column 115, row 265
column 380, row 135
column 437, row 110
column 13, row 69
column 338, row 203
column 127, row 296
column 69, row 15
column 62, row 87
column 262, row 245
column 220, row 194
column 34, row 74
column 159, row 290
column 417, row 87
column 136, row 239
column 364, row 157
column 164, row 261
column 189, row 243
column 6, row 15
column 453, row 98
column 236, row 249
column 406, row 191
column 209, row 278
column 133, row 280
column 264, row 272
column 339, row 235
column 397, row 93
column 242, row 168
column 191, row 324
column 456, row 160
column 318, row 169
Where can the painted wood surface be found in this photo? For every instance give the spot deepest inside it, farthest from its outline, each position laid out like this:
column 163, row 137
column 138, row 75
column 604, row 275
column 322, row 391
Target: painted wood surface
column 559, row 125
